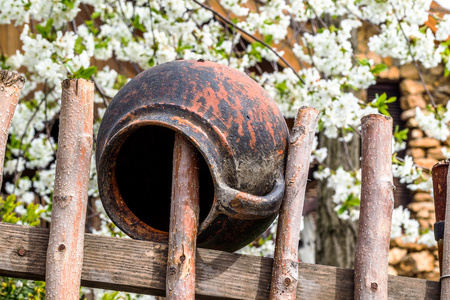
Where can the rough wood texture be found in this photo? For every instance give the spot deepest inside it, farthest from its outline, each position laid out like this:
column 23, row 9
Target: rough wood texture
column 184, row 211
column 377, row 202
column 65, row 250
column 445, row 269
column 11, row 85
column 140, row 267
column 285, row 268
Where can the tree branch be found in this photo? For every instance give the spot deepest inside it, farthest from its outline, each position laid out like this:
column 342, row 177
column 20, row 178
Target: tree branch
column 252, row 36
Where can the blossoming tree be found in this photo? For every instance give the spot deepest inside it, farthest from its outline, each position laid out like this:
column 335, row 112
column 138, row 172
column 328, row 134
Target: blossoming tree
column 305, row 45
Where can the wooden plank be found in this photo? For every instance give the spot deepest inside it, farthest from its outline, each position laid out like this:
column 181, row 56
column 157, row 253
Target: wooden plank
column 139, row 266
column 10, row 39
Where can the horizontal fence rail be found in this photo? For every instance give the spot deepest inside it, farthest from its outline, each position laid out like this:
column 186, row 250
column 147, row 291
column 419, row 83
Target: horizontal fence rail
column 140, row 267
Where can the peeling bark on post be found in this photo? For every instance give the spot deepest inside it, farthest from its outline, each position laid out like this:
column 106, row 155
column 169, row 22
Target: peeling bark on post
column 285, row 267
column 377, row 202
column 184, row 211
column 445, row 270
column 65, row 249
column 11, row 85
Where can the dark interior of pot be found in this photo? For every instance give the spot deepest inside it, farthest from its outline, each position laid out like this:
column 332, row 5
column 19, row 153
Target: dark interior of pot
column 144, row 176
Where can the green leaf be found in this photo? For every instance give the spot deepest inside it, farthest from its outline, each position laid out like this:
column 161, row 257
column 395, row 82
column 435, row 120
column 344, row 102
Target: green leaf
column 282, row 87
column 354, row 202
column 384, row 111
column 378, row 69
column 27, row 6
column 95, row 15
column 364, row 62
column 395, row 159
column 84, row 73
column 401, row 135
column 137, row 24
column 391, row 100
column 120, row 81
column 321, row 125
column 69, row 3
column 46, row 30
column 268, row 39
column 342, row 209
column 151, row 62
column 79, row 47
column 7, row 208
column 91, row 26
column 41, row 30
column 87, row 73
column 48, row 26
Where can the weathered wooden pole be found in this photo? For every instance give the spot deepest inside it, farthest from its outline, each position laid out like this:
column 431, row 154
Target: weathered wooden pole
column 439, row 173
column 285, row 266
column 184, row 211
column 445, row 269
column 65, row 248
column 377, row 202
column 11, row 85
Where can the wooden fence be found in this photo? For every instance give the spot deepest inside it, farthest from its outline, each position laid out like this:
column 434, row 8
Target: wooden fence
column 140, row 267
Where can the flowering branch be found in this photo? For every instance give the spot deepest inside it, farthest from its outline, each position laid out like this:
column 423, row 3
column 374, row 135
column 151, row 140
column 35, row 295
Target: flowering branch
column 252, row 36
column 433, row 103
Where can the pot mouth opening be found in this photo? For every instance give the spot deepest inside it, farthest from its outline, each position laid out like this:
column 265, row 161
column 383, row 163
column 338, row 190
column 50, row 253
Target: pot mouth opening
column 144, row 176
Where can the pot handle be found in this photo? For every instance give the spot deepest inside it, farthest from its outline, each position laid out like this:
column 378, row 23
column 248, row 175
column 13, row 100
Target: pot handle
column 241, row 205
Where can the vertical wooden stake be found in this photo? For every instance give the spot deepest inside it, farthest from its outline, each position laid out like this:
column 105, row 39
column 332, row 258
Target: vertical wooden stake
column 180, row 278
column 445, row 269
column 11, row 85
column 377, row 202
column 285, row 267
column 439, row 174
column 65, row 249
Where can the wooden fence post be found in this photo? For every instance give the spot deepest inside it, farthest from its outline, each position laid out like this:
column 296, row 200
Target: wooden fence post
column 445, row 268
column 285, row 267
column 65, row 249
column 11, row 85
column 377, row 202
column 184, row 211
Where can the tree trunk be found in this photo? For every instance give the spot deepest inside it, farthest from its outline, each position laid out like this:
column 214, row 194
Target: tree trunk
column 336, row 238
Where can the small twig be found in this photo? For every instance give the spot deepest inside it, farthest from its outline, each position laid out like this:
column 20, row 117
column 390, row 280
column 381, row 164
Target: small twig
column 151, row 28
column 100, row 91
column 252, row 36
column 232, row 46
column 355, row 130
column 347, row 155
column 47, row 128
column 418, row 166
column 317, row 16
column 21, row 141
column 363, row 20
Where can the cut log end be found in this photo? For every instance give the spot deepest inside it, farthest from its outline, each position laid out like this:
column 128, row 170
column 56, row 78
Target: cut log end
column 9, row 78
